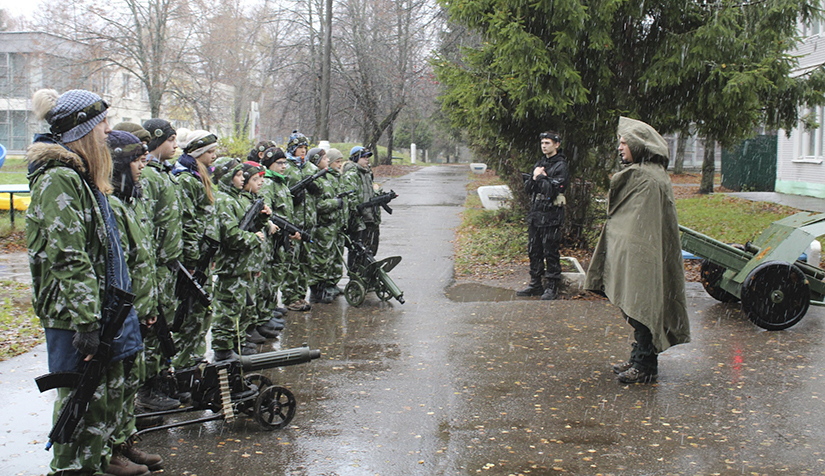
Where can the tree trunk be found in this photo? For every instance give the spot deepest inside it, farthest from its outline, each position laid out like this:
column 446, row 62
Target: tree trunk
column 323, row 129
column 390, row 129
column 378, row 131
column 681, row 144
column 708, row 167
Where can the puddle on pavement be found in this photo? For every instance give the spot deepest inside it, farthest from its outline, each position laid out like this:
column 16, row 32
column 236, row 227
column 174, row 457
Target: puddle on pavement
column 473, row 292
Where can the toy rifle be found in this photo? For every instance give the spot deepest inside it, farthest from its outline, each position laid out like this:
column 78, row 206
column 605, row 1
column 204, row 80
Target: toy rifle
column 379, row 201
column 289, row 228
column 164, row 335
column 250, row 218
column 190, row 287
column 303, row 184
column 86, row 381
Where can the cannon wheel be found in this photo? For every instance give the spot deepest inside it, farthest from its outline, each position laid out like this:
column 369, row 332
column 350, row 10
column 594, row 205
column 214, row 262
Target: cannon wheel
column 275, row 407
column 711, row 274
column 355, row 293
column 775, row 295
column 382, row 292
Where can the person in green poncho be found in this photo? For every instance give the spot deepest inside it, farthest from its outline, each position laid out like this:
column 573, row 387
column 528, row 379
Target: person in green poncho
column 637, row 263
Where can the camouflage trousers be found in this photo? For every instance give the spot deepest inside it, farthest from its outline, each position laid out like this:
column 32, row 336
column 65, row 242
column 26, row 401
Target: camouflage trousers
column 132, row 381
column 90, row 449
column 190, row 340
column 335, row 270
column 324, row 254
column 235, row 310
column 155, row 360
column 268, row 285
column 296, row 279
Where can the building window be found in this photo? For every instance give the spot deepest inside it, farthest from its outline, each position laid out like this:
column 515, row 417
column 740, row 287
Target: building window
column 13, row 130
column 13, row 78
column 809, row 142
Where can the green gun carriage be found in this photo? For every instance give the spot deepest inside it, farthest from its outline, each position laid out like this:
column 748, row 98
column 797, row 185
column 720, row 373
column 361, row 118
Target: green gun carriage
column 774, row 286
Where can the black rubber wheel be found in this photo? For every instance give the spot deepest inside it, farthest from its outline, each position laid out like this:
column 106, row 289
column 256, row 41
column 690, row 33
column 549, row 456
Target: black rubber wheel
column 355, row 293
column 275, row 407
column 382, row 292
column 711, row 274
column 776, row 295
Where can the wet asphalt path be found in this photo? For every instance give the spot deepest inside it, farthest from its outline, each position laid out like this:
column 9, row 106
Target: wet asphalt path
column 512, row 387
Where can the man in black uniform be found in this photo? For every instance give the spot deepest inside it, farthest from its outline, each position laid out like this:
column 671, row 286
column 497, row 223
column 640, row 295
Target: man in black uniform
column 546, row 188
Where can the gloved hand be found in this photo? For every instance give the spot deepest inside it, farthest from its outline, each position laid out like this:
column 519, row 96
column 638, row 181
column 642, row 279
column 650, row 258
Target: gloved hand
column 298, row 198
column 86, row 342
column 340, row 203
column 559, row 201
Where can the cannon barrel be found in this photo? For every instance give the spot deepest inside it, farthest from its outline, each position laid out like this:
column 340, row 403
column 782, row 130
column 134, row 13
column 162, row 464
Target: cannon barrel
column 280, row 358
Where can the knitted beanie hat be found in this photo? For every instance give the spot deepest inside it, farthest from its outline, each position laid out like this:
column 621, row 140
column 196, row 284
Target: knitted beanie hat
column 271, row 155
column 196, row 143
column 125, row 146
column 72, row 114
column 316, row 154
column 334, row 154
column 222, row 166
column 296, row 139
column 250, row 169
column 160, row 130
column 135, row 129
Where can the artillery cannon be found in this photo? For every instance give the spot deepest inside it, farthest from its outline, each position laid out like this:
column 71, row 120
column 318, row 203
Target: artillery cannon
column 368, row 274
column 224, row 389
column 775, row 287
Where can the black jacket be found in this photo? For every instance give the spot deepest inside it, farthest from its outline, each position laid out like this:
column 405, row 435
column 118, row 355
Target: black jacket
column 544, row 189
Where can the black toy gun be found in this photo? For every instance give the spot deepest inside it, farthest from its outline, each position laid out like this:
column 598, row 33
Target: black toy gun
column 303, row 184
column 379, row 201
column 250, row 218
column 86, row 381
column 164, row 335
column 289, row 228
column 188, row 289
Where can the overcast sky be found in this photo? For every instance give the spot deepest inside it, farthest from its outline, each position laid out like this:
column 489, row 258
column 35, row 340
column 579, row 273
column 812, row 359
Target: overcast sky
column 20, row 7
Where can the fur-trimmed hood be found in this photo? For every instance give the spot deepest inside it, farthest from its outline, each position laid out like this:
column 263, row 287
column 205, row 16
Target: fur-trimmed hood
column 45, row 149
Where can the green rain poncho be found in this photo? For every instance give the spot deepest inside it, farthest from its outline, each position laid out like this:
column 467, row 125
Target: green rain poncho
column 638, row 261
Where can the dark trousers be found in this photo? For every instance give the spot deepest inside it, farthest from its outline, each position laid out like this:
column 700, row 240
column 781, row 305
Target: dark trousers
column 543, row 250
column 643, row 355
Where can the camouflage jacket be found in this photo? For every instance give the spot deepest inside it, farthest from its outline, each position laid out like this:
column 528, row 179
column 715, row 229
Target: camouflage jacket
column 197, row 216
column 327, row 205
column 355, row 177
column 68, row 244
column 262, row 253
column 276, row 194
column 236, row 252
column 136, row 238
column 162, row 199
column 304, row 214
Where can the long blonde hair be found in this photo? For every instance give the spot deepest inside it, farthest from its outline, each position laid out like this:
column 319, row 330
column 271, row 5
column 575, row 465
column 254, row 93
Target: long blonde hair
column 203, row 171
column 98, row 159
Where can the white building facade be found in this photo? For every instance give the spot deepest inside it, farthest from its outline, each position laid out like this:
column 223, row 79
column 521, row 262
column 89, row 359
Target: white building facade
column 800, row 169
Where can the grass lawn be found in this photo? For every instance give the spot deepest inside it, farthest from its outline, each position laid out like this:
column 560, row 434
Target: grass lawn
column 19, row 328
column 487, row 239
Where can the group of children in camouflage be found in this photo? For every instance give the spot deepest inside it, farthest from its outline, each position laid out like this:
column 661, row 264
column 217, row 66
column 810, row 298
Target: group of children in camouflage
column 94, row 188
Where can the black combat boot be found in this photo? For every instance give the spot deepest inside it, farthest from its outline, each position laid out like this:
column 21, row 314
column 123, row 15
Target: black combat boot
column 252, row 335
column 551, row 291
column 533, row 289
column 318, row 294
column 151, row 397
